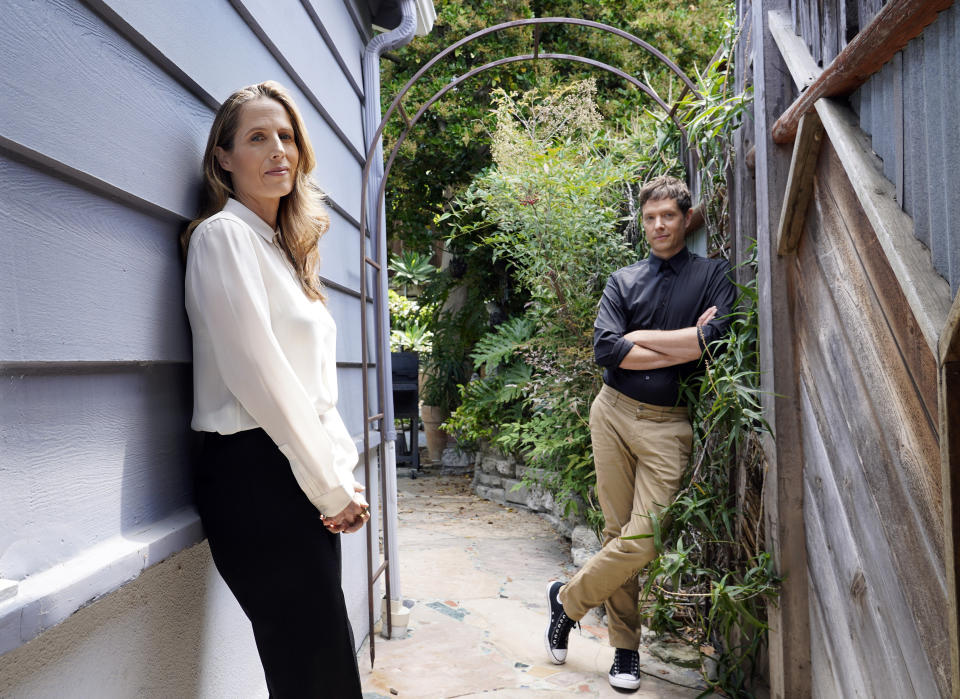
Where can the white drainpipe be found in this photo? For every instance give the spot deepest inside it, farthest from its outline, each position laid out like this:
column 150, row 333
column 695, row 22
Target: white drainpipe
column 401, row 36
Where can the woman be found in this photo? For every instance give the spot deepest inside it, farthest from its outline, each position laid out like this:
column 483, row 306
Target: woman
column 275, row 481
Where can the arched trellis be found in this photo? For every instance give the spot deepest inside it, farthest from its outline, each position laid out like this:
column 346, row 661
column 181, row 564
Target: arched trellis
column 383, row 379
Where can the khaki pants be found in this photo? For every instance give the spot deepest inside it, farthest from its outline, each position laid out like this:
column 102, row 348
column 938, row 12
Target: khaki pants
column 640, row 452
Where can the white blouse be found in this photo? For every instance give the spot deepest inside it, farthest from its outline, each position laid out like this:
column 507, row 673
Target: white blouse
column 264, row 353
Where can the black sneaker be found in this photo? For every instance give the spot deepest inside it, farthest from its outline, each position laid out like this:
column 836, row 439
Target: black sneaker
column 625, row 671
column 558, row 631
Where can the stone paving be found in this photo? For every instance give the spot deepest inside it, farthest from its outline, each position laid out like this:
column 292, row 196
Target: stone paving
column 474, row 575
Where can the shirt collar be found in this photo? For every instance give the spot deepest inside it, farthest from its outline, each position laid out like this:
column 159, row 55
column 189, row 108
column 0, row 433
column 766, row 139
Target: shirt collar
column 676, row 263
column 251, row 219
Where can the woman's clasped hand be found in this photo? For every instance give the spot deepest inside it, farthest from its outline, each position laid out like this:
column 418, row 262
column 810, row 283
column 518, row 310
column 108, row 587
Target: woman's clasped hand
column 352, row 517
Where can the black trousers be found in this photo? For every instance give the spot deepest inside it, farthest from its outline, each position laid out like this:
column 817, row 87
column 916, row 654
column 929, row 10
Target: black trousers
column 280, row 562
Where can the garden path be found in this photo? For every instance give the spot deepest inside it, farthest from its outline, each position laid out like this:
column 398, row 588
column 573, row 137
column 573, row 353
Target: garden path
column 474, row 576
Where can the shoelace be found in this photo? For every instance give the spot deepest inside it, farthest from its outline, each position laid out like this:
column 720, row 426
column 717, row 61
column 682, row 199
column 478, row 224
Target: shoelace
column 619, row 659
column 562, row 629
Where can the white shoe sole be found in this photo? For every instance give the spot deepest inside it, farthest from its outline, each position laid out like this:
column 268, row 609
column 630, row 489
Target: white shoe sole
column 558, row 656
column 624, row 682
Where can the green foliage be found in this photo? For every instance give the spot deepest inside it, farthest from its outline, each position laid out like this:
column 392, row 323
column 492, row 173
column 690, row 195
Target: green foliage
column 501, row 345
column 411, row 268
column 451, row 144
column 454, row 334
column 497, row 397
column 552, row 210
column 710, row 120
column 409, row 323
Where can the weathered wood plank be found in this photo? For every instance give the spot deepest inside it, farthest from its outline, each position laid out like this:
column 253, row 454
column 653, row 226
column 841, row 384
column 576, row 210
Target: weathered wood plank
column 795, row 54
column 816, row 38
column 879, row 649
column 897, row 22
column 914, row 124
column 826, row 681
column 935, row 197
column 950, row 467
column 789, row 621
column 831, row 30
column 902, row 424
column 927, row 293
column 898, row 127
column 830, row 597
column 899, row 320
column 949, row 396
column 743, row 210
column 803, row 165
column 871, row 442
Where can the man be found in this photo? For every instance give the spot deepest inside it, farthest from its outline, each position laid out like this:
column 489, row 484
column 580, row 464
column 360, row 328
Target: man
column 655, row 319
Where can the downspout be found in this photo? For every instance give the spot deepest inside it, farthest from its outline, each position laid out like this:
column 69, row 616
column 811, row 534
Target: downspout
column 401, row 36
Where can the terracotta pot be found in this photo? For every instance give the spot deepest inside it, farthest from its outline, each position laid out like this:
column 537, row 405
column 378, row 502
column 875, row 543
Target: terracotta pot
column 433, row 416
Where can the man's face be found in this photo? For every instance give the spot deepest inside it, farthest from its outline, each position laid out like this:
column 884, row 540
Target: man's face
column 665, row 226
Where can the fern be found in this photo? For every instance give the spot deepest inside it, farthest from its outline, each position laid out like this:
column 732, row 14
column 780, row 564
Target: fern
column 500, row 345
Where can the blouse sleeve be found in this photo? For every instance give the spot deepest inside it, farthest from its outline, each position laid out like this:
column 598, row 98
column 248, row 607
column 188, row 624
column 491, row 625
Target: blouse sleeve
column 224, row 277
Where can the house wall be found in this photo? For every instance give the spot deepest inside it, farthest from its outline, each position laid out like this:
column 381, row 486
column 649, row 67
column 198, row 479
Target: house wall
column 867, row 397
column 106, row 108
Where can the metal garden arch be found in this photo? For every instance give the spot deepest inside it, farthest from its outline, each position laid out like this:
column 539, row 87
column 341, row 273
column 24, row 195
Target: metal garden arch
column 384, row 381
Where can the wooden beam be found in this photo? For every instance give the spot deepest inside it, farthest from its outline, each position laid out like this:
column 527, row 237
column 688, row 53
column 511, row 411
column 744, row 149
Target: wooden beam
column 927, row 293
column 897, row 22
column 789, row 616
column 949, row 408
column 803, row 165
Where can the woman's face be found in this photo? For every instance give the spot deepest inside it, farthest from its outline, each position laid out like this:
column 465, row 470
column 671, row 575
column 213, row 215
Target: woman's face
column 264, row 157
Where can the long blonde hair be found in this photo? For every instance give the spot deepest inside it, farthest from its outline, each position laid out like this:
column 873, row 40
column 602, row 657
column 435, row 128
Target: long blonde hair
column 302, row 217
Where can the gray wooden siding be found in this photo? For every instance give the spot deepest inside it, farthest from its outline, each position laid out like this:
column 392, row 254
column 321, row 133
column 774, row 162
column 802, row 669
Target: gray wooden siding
column 827, row 25
column 104, row 117
column 871, row 474
column 911, row 110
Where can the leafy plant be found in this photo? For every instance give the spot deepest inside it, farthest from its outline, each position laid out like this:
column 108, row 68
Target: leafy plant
column 495, row 398
column 409, row 323
column 413, row 337
column 451, row 144
column 411, row 268
column 551, row 212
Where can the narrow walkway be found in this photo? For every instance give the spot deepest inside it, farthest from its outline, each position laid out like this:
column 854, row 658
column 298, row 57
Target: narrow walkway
column 476, row 575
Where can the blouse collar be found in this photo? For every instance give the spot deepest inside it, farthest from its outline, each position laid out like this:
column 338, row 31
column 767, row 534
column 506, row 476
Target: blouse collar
column 234, row 207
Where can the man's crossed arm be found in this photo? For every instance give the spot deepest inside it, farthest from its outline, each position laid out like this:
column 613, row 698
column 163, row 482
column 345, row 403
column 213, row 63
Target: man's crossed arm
column 655, row 349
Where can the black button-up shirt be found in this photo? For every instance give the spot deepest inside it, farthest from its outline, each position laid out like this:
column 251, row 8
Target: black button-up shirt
column 655, row 294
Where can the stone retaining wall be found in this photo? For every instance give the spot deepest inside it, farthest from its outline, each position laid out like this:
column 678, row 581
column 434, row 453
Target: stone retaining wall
column 500, row 477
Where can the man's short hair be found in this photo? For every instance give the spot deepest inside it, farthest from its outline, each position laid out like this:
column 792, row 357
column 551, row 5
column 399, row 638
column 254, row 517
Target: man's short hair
column 666, row 187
